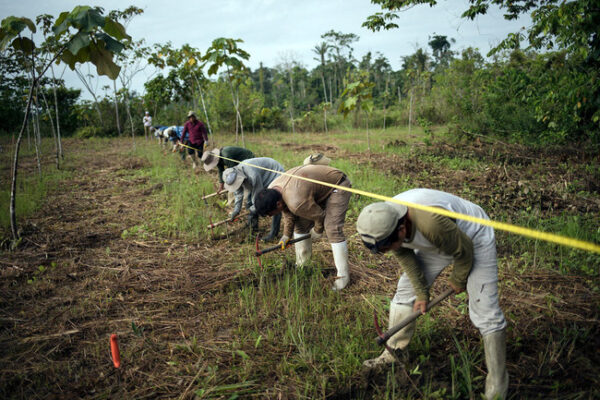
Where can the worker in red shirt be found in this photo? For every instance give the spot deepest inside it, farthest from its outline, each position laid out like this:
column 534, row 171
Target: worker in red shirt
column 197, row 137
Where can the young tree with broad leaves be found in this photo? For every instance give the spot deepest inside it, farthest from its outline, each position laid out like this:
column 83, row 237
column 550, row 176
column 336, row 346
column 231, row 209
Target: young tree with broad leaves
column 186, row 67
column 357, row 96
column 85, row 35
column 224, row 52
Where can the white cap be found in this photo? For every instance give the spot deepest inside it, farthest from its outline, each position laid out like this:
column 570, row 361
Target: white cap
column 377, row 221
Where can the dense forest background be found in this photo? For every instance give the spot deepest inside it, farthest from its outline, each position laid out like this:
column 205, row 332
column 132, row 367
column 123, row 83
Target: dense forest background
column 545, row 92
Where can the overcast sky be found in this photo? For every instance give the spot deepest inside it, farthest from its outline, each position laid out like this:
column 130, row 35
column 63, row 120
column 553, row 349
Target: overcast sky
column 272, row 29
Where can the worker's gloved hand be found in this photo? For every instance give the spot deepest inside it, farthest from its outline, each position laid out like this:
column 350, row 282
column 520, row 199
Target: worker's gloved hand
column 233, row 215
column 314, row 235
column 284, row 241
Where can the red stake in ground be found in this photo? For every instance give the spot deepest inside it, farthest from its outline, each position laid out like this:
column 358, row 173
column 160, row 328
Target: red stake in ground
column 114, row 349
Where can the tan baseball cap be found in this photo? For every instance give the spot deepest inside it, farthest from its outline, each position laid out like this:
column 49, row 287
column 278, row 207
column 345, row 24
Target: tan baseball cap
column 377, row 221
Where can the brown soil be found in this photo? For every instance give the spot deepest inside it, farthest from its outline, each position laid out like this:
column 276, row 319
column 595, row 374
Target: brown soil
column 157, row 294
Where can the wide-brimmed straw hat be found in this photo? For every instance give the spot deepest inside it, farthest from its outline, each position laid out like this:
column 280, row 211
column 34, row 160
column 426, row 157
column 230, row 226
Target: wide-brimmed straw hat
column 210, row 159
column 317, row 159
column 233, row 178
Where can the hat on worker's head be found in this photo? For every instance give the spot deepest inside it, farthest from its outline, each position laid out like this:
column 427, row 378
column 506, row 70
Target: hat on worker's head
column 233, row 178
column 147, row 113
column 191, row 114
column 210, row 159
column 317, row 159
column 377, row 221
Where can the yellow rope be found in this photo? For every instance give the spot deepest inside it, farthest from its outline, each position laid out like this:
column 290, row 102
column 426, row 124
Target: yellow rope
column 503, row 226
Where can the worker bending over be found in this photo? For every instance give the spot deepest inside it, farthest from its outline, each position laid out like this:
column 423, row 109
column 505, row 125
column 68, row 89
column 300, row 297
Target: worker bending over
column 308, row 206
column 425, row 243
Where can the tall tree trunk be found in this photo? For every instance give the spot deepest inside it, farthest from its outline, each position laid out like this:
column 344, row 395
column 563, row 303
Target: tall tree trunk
column 324, row 87
column 28, row 137
column 237, row 111
column 368, row 136
column 292, row 100
column 53, row 130
column 59, row 140
column 15, row 168
column 130, row 119
column 325, row 119
column 237, row 99
column 205, row 112
column 36, row 128
column 410, row 111
column 203, row 104
column 37, row 136
column 117, row 107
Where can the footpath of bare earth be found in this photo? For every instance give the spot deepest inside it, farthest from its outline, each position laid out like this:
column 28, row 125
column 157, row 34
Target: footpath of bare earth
column 76, row 279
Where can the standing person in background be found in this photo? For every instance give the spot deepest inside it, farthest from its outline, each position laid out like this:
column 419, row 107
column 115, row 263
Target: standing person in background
column 147, row 124
column 225, row 157
column 197, row 137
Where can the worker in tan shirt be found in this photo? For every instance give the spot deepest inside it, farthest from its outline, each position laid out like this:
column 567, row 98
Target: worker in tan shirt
column 308, row 206
column 425, row 243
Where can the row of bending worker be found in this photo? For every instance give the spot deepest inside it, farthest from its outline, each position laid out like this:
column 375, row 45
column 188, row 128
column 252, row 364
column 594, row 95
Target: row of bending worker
column 424, row 243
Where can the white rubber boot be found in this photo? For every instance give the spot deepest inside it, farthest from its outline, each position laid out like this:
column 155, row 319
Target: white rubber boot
column 400, row 340
column 303, row 250
column 496, row 382
column 340, row 258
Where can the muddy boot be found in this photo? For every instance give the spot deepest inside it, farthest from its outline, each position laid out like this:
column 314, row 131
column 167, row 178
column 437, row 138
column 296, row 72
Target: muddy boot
column 496, row 382
column 303, row 250
column 340, row 258
column 275, row 223
column 397, row 342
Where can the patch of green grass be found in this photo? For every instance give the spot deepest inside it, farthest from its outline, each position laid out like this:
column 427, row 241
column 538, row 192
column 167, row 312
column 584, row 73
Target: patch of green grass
column 541, row 254
column 32, row 188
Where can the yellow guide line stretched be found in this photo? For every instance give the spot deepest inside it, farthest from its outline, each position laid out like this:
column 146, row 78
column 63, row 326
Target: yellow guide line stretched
column 503, row 226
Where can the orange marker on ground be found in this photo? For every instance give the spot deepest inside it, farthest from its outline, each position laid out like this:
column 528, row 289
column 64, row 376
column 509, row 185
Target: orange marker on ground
column 114, row 349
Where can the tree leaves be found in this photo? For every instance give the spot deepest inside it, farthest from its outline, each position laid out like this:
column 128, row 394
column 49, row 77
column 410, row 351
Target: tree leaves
column 23, row 44
column 103, row 60
column 79, row 41
column 11, row 28
column 116, row 30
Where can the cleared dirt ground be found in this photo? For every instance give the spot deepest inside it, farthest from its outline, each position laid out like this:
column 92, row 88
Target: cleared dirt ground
column 75, row 279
